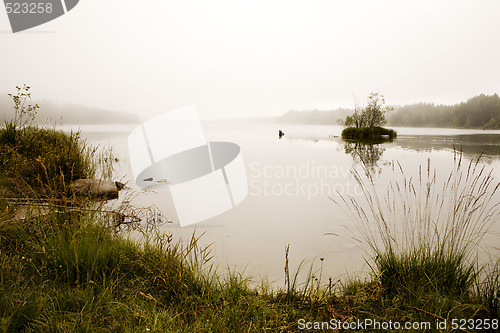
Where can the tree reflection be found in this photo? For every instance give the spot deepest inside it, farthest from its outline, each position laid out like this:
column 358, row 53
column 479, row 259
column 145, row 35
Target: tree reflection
column 367, row 153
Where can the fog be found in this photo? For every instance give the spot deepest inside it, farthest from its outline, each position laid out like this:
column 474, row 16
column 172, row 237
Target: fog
column 240, row 59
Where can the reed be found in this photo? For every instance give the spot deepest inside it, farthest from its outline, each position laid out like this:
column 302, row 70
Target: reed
column 423, row 234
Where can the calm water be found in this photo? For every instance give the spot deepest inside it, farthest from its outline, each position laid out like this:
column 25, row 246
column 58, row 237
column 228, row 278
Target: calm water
column 290, row 182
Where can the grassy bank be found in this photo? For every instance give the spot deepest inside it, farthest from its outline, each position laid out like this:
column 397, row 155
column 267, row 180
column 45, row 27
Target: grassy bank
column 66, row 272
column 70, row 270
column 38, row 162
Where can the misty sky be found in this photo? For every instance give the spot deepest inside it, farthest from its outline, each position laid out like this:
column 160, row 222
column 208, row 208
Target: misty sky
column 236, row 58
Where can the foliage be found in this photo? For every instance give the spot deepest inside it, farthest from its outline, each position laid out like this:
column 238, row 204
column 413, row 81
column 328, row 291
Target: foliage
column 364, row 125
column 24, row 113
column 372, row 115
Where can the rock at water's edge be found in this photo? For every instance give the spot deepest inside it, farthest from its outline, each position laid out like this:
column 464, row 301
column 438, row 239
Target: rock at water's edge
column 96, row 188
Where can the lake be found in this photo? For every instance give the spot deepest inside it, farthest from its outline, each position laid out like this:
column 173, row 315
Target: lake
column 290, row 182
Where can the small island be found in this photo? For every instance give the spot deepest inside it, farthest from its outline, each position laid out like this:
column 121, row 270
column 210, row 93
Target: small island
column 365, row 124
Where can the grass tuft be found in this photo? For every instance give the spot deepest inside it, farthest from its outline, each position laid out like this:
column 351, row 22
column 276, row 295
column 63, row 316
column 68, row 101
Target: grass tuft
column 423, row 235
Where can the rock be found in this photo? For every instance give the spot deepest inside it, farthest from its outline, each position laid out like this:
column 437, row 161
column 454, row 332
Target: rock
column 97, row 188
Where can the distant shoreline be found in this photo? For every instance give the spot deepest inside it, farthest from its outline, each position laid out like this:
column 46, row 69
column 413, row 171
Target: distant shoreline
column 479, row 112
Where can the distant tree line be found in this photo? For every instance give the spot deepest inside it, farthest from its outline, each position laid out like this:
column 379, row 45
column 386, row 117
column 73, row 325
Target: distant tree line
column 52, row 112
column 482, row 111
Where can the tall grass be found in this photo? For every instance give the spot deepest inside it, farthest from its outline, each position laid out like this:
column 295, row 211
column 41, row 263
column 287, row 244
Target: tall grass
column 488, row 288
column 40, row 161
column 423, row 234
column 66, row 271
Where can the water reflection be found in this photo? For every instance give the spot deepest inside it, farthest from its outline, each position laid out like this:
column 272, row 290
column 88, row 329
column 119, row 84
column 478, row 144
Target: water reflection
column 487, row 145
column 368, row 154
column 471, row 145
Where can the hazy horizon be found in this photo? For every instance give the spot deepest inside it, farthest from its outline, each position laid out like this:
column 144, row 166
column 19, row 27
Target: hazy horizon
column 236, row 59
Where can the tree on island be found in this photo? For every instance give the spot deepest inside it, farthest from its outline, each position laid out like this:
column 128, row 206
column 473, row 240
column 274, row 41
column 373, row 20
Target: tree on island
column 367, row 122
